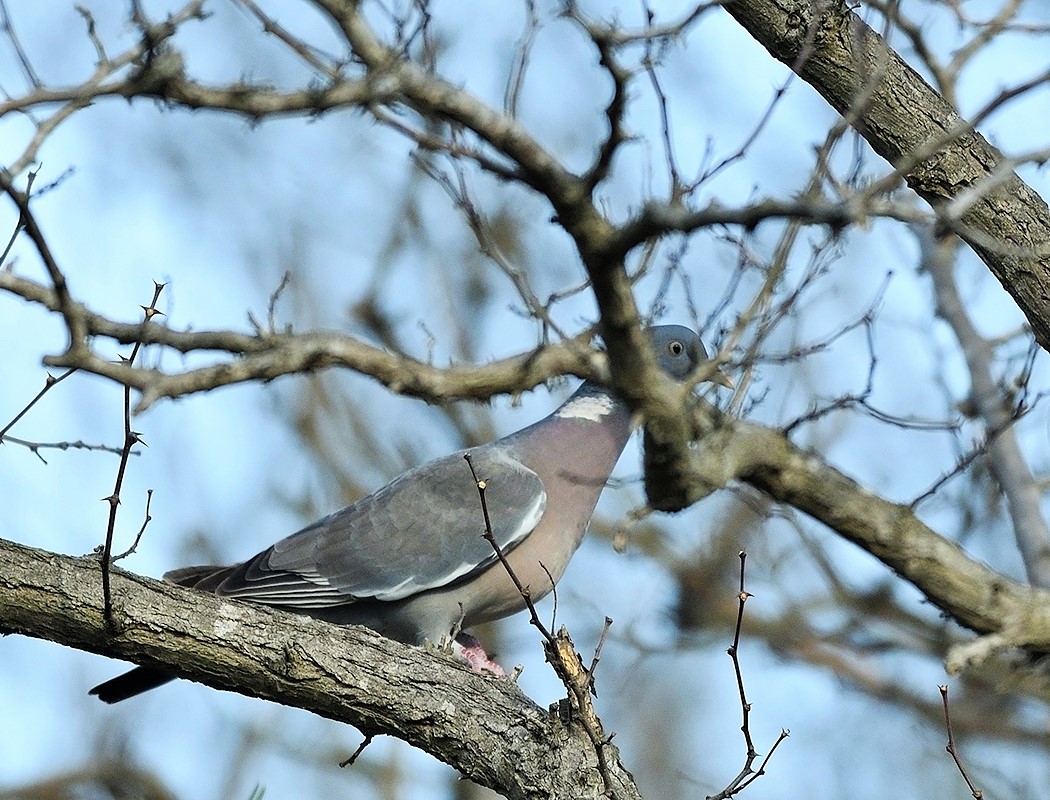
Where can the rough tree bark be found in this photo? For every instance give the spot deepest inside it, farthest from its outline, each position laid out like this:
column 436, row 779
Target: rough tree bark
column 484, row 727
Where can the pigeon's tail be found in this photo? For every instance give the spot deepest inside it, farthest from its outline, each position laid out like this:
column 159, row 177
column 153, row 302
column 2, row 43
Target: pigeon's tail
column 139, row 680
column 206, row 578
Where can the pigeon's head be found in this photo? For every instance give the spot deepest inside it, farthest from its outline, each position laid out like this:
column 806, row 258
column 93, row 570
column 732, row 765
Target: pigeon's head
column 680, row 351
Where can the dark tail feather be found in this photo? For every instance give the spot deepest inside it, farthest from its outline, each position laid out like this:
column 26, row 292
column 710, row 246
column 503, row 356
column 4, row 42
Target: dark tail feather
column 139, row 680
column 204, row 578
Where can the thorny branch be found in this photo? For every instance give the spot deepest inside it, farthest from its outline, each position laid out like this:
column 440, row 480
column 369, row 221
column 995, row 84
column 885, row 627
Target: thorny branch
column 35, row 447
column 953, row 748
column 131, row 438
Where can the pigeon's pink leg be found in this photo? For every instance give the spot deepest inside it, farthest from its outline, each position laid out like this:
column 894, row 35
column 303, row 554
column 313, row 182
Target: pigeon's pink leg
column 470, row 650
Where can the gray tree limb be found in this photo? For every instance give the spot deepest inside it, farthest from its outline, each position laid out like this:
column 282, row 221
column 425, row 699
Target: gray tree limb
column 968, row 591
column 484, row 727
column 265, row 355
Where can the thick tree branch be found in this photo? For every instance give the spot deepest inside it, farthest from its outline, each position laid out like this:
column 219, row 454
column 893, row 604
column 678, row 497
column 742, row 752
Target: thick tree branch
column 266, row 355
column 486, row 728
column 970, row 592
column 906, row 122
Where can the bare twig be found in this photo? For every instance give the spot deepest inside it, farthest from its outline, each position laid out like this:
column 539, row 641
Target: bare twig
column 763, row 122
column 271, row 309
column 11, row 241
column 36, row 447
column 963, row 462
column 734, row 654
column 271, row 306
column 490, row 537
column 747, row 775
column 593, row 668
column 92, row 33
column 357, row 753
column 953, row 748
column 518, row 68
column 994, row 405
column 460, row 194
column 27, row 222
column 8, row 30
column 49, row 383
column 142, row 529
column 322, row 63
column 440, row 143
column 649, row 65
column 615, row 110
column 621, row 35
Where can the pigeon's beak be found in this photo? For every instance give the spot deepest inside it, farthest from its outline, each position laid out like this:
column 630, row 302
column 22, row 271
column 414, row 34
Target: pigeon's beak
column 723, row 380
column 719, row 377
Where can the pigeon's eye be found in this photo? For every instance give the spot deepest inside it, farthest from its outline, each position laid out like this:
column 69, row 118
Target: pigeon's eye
column 676, row 348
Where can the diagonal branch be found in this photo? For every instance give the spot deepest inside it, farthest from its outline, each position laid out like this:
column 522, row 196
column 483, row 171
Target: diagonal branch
column 971, row 593
column 485, row 728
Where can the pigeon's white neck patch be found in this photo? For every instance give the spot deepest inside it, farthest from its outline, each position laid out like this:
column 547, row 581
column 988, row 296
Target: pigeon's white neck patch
column 591, row 407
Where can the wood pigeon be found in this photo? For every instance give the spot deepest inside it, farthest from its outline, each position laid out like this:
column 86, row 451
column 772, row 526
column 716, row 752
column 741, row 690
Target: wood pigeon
column 410, row 561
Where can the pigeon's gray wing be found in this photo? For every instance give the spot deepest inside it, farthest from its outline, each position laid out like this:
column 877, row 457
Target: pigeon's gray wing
column 422, row 531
